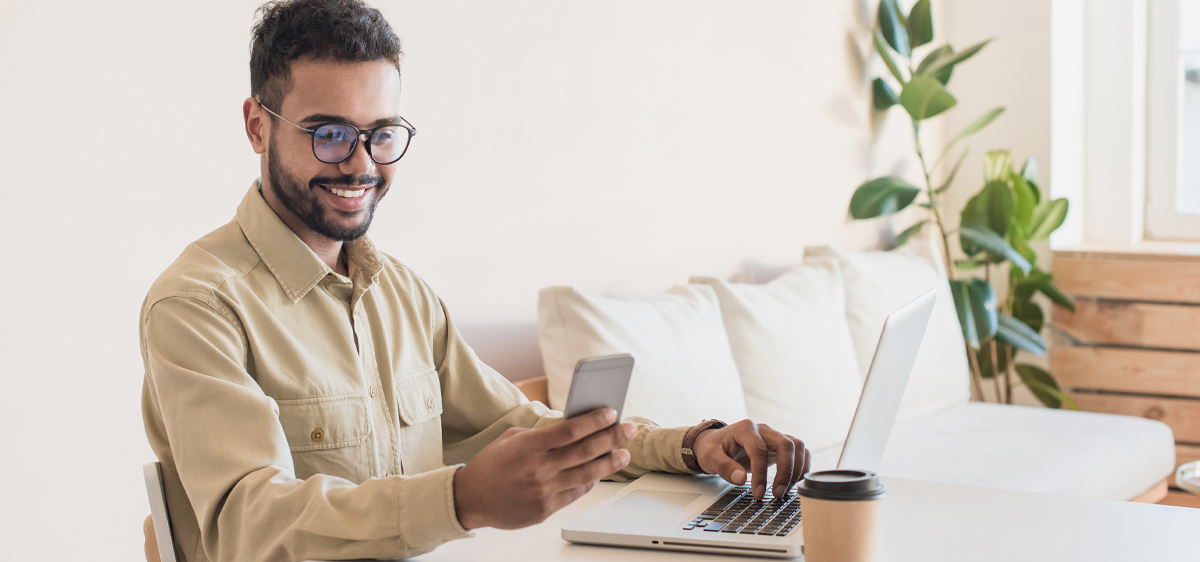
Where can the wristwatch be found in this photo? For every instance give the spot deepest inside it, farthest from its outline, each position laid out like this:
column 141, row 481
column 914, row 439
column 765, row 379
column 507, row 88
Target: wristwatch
column 689, row 441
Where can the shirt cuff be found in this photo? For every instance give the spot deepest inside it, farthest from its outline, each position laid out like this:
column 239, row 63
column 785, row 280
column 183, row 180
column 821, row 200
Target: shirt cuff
column 427, row 515
column 662, row 449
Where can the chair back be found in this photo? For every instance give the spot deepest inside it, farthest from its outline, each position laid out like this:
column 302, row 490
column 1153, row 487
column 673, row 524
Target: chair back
column 158, row 511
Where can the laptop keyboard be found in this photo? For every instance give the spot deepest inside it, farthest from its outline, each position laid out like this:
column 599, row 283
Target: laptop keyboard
column 738, row 512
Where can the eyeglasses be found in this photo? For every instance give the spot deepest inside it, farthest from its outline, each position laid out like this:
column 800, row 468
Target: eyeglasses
column 333, row 143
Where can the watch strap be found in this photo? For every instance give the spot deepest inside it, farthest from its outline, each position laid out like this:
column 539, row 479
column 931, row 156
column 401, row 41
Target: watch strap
column 689, row 441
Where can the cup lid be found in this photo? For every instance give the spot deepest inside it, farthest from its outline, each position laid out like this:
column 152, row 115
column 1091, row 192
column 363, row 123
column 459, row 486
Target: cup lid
column 841, row 485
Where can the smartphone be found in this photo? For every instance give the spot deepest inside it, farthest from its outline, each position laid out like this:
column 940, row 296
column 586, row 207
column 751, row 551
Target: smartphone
column 599, row 382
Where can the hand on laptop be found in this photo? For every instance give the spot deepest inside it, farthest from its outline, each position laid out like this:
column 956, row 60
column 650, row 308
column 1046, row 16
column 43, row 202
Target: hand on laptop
column 745, row 445
column 527, row 474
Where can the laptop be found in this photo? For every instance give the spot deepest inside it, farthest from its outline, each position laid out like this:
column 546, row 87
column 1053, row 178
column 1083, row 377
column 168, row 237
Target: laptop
column 704, row 513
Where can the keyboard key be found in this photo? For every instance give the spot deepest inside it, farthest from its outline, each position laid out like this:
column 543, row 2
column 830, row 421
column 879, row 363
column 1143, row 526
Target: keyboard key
column 714, row 526
column 688, row 527
column 726, row 500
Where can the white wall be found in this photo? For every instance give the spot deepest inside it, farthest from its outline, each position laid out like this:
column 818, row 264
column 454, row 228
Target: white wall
column 618, row 146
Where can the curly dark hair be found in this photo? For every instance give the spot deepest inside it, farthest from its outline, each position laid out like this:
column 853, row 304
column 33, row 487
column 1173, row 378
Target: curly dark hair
column 339, row 30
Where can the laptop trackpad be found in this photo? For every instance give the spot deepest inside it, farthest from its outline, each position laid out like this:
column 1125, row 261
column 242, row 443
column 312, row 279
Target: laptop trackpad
column 656, row 500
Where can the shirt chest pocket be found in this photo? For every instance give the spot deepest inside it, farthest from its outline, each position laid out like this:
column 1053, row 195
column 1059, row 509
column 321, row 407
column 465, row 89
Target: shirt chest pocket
column 419, row 401
column 327, row 435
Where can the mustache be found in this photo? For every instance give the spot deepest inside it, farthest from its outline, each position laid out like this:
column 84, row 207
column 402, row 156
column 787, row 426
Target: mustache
column 347, row 181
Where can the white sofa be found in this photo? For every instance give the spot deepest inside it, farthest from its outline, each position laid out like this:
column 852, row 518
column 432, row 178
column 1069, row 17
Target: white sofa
column 793, row 352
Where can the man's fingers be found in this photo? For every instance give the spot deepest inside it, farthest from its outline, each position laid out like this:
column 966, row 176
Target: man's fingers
column 756, row 450
column 567, row 497
column 785, row 458
column 807, row 464
column 591, row 471
column 731, row 471
column 594, row 445
column 576, row 428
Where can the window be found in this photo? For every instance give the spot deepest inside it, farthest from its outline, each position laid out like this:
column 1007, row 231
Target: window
column 1173, row 121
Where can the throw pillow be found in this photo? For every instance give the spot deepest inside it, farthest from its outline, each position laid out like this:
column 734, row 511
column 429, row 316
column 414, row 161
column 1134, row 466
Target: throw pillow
column 793, row 349
column 683, row 369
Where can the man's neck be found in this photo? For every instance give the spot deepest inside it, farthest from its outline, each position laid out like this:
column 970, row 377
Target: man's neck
column 328, row 250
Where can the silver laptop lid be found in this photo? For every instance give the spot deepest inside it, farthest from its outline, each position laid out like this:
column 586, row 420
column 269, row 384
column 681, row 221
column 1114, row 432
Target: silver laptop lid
column 893, row 362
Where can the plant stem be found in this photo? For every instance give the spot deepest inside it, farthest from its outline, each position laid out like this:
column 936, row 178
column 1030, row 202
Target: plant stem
column 976, row 380
column 937, row 215
column 976, row 375
column 1008, row 375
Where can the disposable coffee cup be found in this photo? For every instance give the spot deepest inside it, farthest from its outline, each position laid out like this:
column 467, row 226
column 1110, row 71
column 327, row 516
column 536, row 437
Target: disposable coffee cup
column 839, row 512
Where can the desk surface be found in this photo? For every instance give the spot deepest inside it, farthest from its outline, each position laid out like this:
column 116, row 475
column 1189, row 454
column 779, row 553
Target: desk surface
column 921, row 521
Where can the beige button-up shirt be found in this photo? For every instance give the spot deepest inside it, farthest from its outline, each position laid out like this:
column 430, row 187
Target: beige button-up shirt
column 302, row 414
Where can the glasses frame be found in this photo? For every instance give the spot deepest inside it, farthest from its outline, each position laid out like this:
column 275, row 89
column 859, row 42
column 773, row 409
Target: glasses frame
column 312, row 132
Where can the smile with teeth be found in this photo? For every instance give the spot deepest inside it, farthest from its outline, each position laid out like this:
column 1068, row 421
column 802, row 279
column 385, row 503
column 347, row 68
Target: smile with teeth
column 347, row 193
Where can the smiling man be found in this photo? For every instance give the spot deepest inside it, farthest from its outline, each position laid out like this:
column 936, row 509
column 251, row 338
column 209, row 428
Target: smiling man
column 309, row 396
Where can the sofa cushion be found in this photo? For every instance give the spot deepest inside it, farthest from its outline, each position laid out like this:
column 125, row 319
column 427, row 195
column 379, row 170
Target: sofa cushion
column 878, row 283
column 793, row 349
column 1025, row 448
column 683, row 369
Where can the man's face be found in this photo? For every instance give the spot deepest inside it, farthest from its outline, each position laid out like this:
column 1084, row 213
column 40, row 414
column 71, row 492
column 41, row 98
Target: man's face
column 365, row 95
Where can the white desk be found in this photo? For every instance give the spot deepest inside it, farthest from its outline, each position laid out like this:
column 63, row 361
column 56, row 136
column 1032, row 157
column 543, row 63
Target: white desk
column 921, row 521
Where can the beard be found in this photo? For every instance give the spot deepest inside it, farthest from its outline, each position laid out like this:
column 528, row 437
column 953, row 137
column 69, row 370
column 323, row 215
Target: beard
column 304, row 202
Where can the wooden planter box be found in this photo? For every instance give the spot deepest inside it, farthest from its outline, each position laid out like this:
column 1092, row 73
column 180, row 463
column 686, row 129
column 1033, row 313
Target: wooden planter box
column 1133, row 345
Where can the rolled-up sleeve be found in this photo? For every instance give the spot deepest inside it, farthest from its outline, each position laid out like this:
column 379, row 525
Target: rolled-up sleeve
column 235, row 464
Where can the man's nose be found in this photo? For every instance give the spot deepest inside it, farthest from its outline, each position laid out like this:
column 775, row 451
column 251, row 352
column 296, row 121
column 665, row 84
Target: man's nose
column 359, row 162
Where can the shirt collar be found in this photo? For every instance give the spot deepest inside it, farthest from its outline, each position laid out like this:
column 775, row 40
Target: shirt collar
column 295, row 266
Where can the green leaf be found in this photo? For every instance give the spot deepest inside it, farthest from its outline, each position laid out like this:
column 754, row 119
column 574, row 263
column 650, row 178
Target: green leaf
column 1029, row 172
column 930, row 205
column 975, row 126
column 1000, row 201
column 953, row 172
column 1030, row 313
column 925, row 97
column 1026, row 202
column 887, row 57
column 1021, row 336
column 891, row 25
column 992, row 243
column 997, row 165
column 942, row 75
column 951, row 59
column 1044, row 387
column 985, row 359
column 883, row 94
column 882, row 196
column 991, row 208
column 1047, row 217
column 920, row 24
column 970, row 264
column 904, row 237
column 1017, row 239
column 976, row 305
column 1043, row 281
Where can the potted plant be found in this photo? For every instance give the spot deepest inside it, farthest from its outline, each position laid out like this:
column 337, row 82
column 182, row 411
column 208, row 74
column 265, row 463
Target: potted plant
column 997, row 224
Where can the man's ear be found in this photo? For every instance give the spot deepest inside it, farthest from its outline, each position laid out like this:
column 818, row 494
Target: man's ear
column 257, row 125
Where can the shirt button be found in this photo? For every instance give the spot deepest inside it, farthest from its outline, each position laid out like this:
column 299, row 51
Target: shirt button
column 430, row 402
column 318, row 434
column 372, row 391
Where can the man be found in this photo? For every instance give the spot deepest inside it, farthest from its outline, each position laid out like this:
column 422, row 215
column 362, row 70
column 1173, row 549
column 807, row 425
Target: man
column 309, row 396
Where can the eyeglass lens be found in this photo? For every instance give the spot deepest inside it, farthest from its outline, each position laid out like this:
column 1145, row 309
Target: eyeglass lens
column 333, row 143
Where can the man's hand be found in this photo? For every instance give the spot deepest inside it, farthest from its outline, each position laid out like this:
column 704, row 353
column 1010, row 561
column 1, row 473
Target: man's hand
column 527, row 474
column 745, row 445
